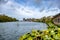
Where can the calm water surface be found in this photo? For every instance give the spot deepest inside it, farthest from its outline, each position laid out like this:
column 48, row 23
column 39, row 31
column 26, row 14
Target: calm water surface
column 12, row 30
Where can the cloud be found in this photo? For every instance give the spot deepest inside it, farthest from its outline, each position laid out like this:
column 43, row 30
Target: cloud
column 19, row 11
column 3, row 1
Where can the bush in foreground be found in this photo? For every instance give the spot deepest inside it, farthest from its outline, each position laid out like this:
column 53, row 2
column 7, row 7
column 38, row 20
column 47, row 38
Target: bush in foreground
column 50, row 34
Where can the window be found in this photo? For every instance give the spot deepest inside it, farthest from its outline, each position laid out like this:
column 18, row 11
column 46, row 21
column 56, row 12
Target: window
column 58, row 20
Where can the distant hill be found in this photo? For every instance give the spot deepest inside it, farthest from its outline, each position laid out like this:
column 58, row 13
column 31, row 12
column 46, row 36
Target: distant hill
column 4, row 18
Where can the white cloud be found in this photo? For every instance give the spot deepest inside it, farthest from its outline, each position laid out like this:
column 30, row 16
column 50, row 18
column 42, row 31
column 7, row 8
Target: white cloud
column 14, row 9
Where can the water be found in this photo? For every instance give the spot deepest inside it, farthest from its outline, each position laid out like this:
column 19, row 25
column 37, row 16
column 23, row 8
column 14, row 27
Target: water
column 13, row 30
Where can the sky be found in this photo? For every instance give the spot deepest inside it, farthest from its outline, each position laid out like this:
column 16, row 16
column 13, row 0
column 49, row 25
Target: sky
column 29, row 8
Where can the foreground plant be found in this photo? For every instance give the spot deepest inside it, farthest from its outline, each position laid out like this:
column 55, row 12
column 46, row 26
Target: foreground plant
column 42, row 35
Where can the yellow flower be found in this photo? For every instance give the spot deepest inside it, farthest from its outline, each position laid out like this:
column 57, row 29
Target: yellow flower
column 46, row 32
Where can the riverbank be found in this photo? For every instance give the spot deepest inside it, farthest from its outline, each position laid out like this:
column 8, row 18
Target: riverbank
column 5, row 18
column 52, row 32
